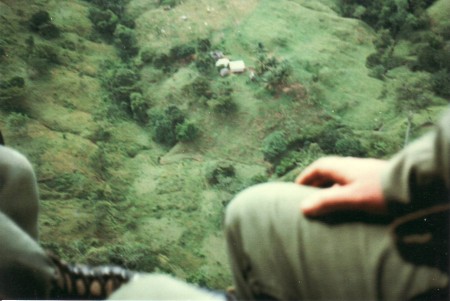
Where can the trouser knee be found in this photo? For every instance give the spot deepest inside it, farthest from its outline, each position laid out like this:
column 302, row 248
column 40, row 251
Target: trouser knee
column 242, row 205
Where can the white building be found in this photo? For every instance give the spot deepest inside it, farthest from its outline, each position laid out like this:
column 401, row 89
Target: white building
column 223, row 62
column 237, row 66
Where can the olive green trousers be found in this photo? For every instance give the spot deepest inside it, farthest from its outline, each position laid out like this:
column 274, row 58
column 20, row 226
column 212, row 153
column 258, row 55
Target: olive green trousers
column 275, row 251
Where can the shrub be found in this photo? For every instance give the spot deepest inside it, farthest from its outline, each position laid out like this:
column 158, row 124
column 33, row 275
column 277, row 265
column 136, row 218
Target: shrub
column 116, row 6
column 162, row 61
column 171, row 3
column 413, row 94
column 125, row 40
column 300, row 158
column 265, row 63
column 274, row 145
column 428, row 59
column 327, row 140
column 174, row 115
column 181, row 52
column 383, row 58
column 104, row 21
column 139, row 107
column 215, row 173
column 147, row 55
column 121, row 82
column 378, row 71
column 434, row 55
column 43, row 57
column 440, row 82
column 203, row 45
column 205, row 63
column 38, row 19
column 349, row 146
column 49, row 31
column 163, row 131
column 278, row 76
column 223, row 104
column 395, row 15
column 374, row 59
column 165, row 125
column 17, row 123
column 383, row 40
column 75, row 184
column 287, row 163
column 223, row 101
column 186, row 131
column 128, row 21
column 11, row 94
column 201, row 87
column 48, row 52
column 41, row 23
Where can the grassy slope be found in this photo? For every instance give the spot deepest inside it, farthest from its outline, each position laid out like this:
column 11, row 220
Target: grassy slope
column 170, row 218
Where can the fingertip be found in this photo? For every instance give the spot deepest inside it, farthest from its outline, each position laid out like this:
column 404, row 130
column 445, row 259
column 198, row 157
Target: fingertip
column 308, row 208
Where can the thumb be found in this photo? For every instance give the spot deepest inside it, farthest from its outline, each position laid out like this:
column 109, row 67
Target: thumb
column 328, row 200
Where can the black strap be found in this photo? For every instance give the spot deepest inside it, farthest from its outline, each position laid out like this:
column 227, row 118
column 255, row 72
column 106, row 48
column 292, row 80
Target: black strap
column 422, row 237
column 2, row 141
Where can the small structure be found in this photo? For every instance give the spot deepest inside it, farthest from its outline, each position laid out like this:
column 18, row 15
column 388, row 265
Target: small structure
column 216, row 54
column 237, row 66
column 223, row 62
column 224, row 72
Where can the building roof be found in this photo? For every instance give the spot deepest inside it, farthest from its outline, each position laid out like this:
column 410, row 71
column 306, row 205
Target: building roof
column 222, row 62
column 237, row 66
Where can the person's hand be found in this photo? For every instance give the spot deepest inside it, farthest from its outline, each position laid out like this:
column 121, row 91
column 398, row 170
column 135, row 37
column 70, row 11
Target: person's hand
column 352, row 184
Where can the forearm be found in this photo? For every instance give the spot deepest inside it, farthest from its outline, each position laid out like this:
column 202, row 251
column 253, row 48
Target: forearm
column 419, row 176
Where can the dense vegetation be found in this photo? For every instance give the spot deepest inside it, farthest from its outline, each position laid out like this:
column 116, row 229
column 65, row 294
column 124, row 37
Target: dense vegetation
column 139, row 143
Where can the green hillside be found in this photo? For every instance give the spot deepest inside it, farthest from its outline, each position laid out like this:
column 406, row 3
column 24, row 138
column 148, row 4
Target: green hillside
column 139, row 143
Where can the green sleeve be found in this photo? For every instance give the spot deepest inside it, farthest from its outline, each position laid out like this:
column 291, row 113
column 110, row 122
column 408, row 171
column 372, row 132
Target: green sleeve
column 419, row 176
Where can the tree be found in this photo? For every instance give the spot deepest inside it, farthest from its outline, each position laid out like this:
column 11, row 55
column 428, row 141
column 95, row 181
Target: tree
column 168, row 126
column 274, row 145
column 433, row 56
